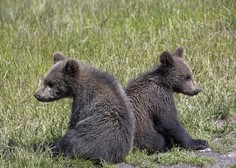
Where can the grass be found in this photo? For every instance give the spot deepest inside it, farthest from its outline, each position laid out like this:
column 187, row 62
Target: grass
column 124, row 38
column 175, row 156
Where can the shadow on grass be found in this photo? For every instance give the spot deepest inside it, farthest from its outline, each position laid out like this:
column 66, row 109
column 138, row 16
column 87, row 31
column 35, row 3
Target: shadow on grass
column 15, row 146
column 33, row 146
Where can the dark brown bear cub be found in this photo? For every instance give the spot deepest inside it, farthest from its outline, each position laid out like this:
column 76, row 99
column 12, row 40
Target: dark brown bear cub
column 101, row 126
column 151, row 95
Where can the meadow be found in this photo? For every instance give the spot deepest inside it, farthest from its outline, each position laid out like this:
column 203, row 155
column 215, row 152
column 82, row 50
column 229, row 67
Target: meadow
column 123, row 38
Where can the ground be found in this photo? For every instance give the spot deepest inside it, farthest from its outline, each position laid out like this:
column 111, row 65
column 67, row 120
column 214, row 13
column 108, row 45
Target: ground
column 218, row 159
column 124, row 38
column 221, row 160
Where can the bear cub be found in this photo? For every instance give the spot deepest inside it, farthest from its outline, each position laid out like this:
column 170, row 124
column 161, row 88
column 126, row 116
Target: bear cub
column 151, row 95
column 101, row 126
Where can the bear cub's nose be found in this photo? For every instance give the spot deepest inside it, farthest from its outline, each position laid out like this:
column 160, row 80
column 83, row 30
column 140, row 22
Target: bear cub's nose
column 198, row 90
column 36, row 95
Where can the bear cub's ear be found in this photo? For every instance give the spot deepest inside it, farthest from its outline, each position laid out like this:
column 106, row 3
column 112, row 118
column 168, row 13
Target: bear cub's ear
column 166, row 58
column 179, row 52
column 58, row 56
column 72, row 67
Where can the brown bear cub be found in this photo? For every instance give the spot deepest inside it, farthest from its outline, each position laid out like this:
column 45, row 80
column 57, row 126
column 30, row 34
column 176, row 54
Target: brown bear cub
column 151, row 95
column 101, row 126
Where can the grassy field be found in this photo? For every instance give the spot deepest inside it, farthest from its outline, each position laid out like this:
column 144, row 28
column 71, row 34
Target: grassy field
column 124, row 38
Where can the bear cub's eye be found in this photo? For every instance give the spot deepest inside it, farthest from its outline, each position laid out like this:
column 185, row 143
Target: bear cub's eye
column 50, row 84
column 188, row 77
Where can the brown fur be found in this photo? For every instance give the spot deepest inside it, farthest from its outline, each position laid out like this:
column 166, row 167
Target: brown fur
column 151, row 95
column 101, row 126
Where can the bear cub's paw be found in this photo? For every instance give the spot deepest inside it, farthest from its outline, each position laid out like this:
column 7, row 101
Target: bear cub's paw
column 54, row 149
column 198, row 144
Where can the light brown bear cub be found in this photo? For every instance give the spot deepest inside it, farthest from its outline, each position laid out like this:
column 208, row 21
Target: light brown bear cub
column 151, row 95
column 101, row 126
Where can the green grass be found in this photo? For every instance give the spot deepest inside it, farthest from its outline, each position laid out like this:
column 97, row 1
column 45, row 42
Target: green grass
column 175, row 156
column 124, row 38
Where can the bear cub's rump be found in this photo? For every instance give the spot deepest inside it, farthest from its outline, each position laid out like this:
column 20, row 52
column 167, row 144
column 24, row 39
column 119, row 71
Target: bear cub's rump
column 151, row 95
column 101, row 126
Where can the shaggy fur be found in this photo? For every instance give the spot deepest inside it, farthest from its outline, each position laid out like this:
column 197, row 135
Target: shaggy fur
column 151, row 95
column 101, row 126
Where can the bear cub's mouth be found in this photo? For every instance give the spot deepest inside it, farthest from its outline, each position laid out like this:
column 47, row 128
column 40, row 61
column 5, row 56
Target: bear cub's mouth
column 43, row 99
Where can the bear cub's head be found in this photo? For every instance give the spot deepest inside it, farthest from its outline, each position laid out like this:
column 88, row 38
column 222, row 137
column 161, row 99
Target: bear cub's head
column 60, row 80
column 176, row 74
